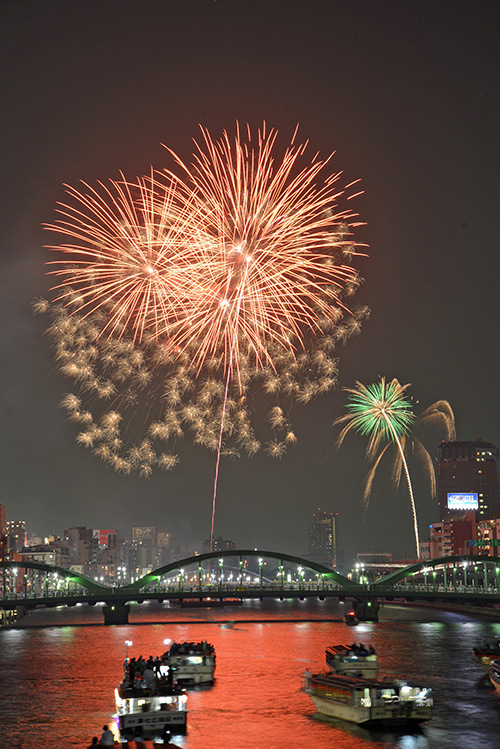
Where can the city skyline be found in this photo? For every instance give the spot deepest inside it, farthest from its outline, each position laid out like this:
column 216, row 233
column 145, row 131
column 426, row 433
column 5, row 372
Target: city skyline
column 408, row 99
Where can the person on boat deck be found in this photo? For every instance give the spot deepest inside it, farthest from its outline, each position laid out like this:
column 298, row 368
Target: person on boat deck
column 131, row 670
column 93, row 743
column 157, row 666
column 149, row 677
column 107, row 738
column 140, row 665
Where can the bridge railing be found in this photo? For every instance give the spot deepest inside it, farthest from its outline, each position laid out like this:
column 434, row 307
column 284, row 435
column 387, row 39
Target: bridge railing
column 232, row 587
column 439, row 588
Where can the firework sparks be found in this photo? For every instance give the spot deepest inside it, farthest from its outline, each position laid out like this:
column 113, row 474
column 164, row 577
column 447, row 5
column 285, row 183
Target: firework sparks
column 178, row 298
column 383, row 412
column 273, row 247
column 123, row 254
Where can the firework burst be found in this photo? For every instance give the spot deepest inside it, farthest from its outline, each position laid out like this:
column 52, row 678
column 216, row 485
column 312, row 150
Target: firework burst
column 383, row 412
column 182, row 298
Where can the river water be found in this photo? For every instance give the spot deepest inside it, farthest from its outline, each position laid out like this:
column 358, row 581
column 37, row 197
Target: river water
column 59, row 668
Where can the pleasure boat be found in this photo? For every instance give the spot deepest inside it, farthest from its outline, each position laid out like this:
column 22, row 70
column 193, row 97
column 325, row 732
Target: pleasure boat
column 156, row 712
column 352, row 660
column 350, row 618
column 190, row 663
column 360, row 700
column 494, row 674
column 486, row 653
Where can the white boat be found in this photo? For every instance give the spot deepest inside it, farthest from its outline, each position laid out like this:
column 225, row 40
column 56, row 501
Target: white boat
column 368, row 700
column 191, row 663
column 142, row 713
column 494, row 674
column 352, row 660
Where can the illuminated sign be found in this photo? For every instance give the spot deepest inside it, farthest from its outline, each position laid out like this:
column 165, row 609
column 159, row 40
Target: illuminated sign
column 144, row 533
column 106, row 538
column 485, row 542
column 467, row 501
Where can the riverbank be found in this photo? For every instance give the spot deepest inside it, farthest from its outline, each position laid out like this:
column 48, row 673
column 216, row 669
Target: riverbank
column 459, row 608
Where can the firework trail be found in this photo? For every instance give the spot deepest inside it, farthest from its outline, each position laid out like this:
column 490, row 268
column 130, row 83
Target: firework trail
column 383, row 412
column 180, row 296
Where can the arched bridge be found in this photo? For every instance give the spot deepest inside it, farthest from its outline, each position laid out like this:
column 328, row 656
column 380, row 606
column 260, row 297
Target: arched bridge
column 252, row 573
column 236, row 566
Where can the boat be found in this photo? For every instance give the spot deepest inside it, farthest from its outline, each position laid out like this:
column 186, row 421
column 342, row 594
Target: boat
column 190, row 663
column 486, row 653
column 494, row 674
column 353, row 660
column 155, row 712
column 350, row 618
column 368, row 701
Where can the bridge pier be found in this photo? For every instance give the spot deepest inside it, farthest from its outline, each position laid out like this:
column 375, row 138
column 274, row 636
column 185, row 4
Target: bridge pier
column 116, row 613
column 366, row 610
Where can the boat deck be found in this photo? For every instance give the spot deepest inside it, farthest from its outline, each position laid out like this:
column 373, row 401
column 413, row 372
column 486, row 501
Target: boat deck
column 350, row 681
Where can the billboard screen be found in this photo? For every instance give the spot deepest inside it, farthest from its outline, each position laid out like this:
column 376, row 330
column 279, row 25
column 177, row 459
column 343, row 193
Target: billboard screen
column 105, row 538
column 466, row 501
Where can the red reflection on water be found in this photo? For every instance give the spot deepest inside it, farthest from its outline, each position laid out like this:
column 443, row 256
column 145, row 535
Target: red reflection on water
column 58, row 682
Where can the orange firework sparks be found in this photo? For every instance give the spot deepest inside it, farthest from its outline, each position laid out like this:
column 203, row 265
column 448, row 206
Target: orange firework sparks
column 178, row 294
column 272, row 246
column 124, row 254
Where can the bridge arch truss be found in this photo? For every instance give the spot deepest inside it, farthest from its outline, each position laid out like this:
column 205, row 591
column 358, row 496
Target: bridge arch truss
column 35, row 579
column 241, row 566
column 479, row 572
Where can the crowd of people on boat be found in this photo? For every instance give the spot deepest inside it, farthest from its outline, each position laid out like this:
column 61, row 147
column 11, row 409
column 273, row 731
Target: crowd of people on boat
column 361, row 649
column 140, row 673
column 188, row 648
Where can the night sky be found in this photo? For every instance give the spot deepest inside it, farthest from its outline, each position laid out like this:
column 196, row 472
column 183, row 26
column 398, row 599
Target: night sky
column 408, row 96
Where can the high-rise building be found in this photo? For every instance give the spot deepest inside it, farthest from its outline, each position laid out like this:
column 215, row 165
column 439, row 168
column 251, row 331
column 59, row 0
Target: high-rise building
column 219, row 544
column 79, row 541
column 467, row 479
column 16, row 532
column 323, row 538
column 451, row 537
column 3, row 520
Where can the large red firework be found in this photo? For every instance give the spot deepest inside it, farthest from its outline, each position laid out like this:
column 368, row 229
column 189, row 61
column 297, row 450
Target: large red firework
column 178, row 291
column 244, row 253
